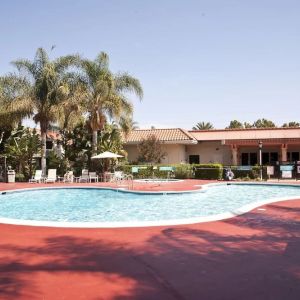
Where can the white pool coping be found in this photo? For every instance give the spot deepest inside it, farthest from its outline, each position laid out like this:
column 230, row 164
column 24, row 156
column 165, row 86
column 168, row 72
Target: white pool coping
column 218, row 217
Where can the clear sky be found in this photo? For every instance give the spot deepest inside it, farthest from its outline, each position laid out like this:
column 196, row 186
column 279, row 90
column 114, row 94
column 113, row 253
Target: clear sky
column 213, row 60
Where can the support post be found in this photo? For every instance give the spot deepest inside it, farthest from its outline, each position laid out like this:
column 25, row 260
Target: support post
column 260, row 144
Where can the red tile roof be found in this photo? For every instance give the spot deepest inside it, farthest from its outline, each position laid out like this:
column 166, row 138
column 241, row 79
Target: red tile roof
column 163, row 135
column 248, row 134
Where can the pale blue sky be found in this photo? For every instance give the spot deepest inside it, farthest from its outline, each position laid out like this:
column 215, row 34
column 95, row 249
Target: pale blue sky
column 211, row 60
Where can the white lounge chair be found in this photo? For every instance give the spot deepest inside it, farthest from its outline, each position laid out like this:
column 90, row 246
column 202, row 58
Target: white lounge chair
column 69, row 177
column 37, row 178
column 117, row 176
column 84, row 176
column 93, row 176
column 51, row 176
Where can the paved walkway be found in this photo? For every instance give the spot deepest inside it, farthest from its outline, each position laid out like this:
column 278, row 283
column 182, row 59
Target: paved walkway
column 253, row 256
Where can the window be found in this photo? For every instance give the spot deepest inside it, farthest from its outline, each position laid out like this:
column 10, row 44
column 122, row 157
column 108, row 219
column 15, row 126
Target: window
column 273, row 157
column 293, row 156
column 269, row 158
column 49, row 145
column 249, row 159
column 265, row 158
column 245, row 158
column 253, row 159
column 194, row 159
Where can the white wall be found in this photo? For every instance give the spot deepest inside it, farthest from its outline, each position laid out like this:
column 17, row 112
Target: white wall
column 174, row 153
column 210, row 152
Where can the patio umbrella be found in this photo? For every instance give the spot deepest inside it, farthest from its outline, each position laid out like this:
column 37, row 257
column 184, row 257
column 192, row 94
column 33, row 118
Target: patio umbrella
column 107, row 154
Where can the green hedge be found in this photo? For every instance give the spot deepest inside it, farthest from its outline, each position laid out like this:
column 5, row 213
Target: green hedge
column 254, row 173
column 208, row 171
column 197, row 171
column 182, row 171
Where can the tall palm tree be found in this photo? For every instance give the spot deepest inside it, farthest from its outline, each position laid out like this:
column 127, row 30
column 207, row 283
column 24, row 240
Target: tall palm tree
column 10, row 88
column 127, row 125
column 44, row 89
column 203, row 126
column 106, row 95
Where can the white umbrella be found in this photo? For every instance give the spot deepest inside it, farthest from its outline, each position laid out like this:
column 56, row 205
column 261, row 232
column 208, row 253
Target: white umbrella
column 107, row 154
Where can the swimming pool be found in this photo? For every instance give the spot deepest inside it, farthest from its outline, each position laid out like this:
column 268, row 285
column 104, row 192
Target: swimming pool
column 94, row 207
column 158, row 180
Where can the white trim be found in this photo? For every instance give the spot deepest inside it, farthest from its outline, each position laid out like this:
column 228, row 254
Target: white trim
column 242, row 210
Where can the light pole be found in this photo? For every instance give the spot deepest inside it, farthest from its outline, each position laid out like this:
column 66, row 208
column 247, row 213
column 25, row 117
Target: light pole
column 260, row 145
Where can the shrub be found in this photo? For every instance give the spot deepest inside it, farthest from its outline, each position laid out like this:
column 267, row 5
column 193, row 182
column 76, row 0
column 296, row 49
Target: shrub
column 182, row 171
column 20, row 177
column 254, row 173
column 208, row 171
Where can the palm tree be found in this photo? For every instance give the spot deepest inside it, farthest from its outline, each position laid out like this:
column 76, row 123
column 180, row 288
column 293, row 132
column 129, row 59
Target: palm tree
column 203, row 126
column 10, row 88
column 106, row 94
column 44, row 89
column 127, row 125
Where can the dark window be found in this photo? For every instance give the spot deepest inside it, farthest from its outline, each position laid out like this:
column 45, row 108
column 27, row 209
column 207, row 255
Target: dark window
column 265, row 158
column 273, row 157
column 245, row 159
column 49, row 145
column 194, row 159
column 295, row 156
column 253, row 159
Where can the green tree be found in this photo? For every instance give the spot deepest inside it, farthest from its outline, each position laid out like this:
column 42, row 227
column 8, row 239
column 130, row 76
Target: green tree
column 247, row 125
column 203, row 126
column 10, row 88
column 78, row 149
column 291, row 124
column 235, row 124
column 106, row 94
column 150, row 150
column 21, row 148
column 110, row 139
column 127, row 125
column 43, row 87
column 263, row 123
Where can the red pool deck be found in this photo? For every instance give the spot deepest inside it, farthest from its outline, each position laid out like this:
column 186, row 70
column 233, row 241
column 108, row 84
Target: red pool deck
column 252, row 256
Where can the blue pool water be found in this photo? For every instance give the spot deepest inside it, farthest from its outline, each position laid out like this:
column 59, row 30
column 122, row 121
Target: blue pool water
column 97, row 205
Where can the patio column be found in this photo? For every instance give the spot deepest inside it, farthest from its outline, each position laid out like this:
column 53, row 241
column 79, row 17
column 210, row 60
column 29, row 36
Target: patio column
column 234, row 154
column 284, row 152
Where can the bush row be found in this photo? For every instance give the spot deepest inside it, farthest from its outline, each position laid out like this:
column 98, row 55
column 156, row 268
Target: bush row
column 182, row 171
column 197, row 171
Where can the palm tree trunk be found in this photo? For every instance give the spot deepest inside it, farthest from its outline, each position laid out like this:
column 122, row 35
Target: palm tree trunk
column 43, row 160
column 95, row 141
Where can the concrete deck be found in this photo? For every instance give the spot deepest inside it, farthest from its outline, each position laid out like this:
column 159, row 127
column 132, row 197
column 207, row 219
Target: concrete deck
column 253, row 256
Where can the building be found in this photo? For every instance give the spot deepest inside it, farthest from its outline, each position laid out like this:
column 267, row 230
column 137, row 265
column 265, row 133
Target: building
column 226, row 146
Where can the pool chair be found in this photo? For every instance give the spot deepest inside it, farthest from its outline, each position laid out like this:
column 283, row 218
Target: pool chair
column 37, row 178
column 69, row 177
column 118, row 176
column 93, row 176
column 51, row 176
column 84, row 176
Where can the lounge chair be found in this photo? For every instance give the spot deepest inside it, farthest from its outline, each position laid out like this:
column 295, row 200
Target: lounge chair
column 84, row 176
column 37, row 178
column 69, row 177
column 51, row 176
column 118, row 176
column 93, row 176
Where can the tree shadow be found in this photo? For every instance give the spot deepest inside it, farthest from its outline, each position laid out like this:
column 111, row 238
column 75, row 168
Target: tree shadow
column 258, row 258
